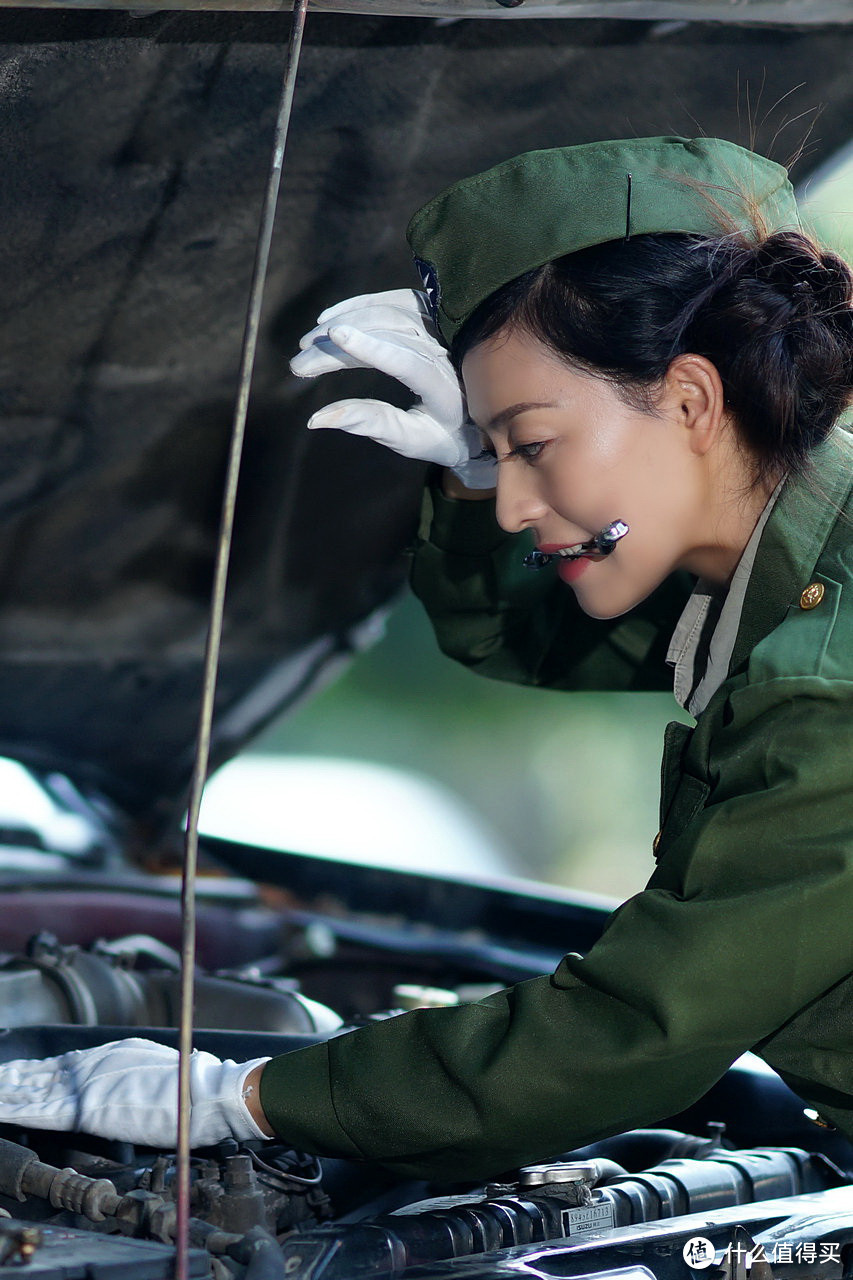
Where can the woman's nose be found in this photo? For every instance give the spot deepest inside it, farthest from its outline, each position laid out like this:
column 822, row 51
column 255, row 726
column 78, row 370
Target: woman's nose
column 518, row 504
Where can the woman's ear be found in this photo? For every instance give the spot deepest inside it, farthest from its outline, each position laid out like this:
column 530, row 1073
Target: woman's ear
column 693, row 396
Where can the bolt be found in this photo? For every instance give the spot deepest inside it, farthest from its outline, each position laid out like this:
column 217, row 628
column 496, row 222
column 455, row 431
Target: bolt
column 239, row 1174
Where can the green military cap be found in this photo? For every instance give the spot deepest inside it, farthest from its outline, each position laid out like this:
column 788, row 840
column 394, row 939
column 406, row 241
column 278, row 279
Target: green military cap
column 487, row 229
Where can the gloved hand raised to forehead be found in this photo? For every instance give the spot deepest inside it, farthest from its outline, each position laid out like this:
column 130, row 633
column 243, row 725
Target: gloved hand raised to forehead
column 392, row 332
column 128, row 1090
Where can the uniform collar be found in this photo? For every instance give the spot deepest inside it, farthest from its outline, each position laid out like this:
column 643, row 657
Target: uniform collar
column 703, row 642
column 794, row 536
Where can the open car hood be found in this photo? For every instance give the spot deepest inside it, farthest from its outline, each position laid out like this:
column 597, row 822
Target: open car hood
column 134, row 154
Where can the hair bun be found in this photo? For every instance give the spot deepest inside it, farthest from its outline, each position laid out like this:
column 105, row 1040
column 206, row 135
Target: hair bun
column 819, row 281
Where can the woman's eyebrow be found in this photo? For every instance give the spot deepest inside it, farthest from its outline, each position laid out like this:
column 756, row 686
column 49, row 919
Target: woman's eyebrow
column 513, row 410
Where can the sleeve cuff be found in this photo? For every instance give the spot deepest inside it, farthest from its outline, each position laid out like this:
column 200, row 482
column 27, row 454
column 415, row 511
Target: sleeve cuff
column 465, row 528
column 296, row 1097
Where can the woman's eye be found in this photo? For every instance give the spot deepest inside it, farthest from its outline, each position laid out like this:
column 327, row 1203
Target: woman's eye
column 529, row 452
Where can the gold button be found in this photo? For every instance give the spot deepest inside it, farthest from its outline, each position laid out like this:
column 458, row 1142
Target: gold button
column 812, row 595
column 656, row 842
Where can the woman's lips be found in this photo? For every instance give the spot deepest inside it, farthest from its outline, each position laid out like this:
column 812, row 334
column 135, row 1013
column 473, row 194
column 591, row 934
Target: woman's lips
column 571, row 570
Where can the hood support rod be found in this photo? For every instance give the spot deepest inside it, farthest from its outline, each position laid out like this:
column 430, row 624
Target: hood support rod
column 214, row 634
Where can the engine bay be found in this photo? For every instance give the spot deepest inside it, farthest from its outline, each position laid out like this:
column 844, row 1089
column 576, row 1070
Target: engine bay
column 282, row 969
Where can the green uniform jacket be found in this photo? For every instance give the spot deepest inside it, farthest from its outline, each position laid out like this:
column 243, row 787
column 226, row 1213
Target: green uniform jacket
column 742, row 938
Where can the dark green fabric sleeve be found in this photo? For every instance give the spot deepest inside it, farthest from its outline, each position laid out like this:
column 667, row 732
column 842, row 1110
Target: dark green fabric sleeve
column 511, row 623
column 744, row 924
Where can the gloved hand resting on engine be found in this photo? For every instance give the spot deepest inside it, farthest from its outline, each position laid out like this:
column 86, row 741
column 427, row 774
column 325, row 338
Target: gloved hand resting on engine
column 392, row 332
column 128, row 1090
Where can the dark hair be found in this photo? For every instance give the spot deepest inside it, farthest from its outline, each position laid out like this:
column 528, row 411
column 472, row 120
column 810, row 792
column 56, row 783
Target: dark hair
column 774, row 317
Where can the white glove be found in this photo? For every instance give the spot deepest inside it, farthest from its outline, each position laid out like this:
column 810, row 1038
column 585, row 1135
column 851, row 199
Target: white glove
column 392, row 332
column 128, row 1090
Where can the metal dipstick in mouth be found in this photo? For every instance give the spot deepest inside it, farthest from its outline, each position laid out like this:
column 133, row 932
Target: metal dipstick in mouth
column 603, row 542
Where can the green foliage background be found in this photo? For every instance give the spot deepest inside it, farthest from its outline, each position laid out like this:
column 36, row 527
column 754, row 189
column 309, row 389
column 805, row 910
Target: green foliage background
column 569, row 781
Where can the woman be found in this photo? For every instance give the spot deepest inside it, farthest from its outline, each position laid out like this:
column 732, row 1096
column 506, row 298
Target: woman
column 644, row 336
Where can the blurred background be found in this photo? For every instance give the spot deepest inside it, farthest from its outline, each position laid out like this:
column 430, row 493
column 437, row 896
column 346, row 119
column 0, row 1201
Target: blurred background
column 561, row 788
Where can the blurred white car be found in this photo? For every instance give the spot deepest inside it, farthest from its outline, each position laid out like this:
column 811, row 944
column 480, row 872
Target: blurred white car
column 352, row 811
